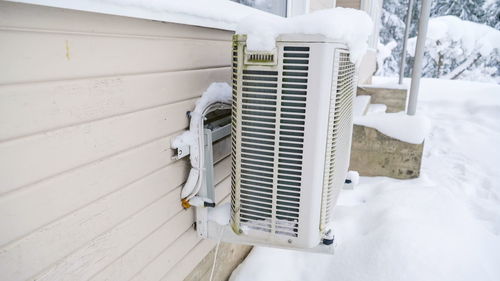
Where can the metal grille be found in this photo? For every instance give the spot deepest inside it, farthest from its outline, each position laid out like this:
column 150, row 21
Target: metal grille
column 234, row 130
column 339, row 132
column 261, row 57
column 272, row 116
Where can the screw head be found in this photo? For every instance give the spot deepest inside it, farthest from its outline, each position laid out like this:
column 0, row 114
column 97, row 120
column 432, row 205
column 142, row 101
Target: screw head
column 289, row 241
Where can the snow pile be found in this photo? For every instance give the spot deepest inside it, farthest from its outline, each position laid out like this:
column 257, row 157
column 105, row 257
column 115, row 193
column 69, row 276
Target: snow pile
column 375, row 108
column 220, row 214
column 480, row 69
column 223, row 14
column 216, row 92
column 216, row 10
column 443, row 226
column 457, row 47
column 347, row 25
column 353, row 176
column 412, row 129
column 360, row 105
column 474, row 37
column 384, row 51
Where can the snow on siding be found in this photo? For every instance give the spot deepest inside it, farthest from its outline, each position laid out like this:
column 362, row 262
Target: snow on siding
column 195, row 12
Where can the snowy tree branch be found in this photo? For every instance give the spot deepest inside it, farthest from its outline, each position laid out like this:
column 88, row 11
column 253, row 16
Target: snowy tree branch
column 463, row 67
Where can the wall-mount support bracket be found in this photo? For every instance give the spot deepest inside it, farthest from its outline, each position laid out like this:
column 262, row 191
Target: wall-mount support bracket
column 215, row 135
column 207, row 190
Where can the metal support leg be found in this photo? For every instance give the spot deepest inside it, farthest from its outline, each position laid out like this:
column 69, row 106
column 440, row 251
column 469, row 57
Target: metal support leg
column 207, row 190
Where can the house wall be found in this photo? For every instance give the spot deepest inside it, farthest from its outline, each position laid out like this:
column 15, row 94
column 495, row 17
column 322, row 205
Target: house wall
column 315, row 5
column 88, row 106
column 355, row 4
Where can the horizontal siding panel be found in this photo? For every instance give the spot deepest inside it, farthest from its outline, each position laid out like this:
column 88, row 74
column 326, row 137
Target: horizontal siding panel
column 355, row 4
column 33, row 253
column 186, row 264
column 182, row 269
column 174, row 253
column 88, row 106
column 70, row 56
column 20, row 211
column 134, row 260
column 39, row 156
column 31, row 17
column 148, row 249
column 109, row 246
column 168, row 257
column 30, row 108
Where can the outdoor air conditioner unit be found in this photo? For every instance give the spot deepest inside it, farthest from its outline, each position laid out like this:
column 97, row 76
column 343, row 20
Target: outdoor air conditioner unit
column 291, row 131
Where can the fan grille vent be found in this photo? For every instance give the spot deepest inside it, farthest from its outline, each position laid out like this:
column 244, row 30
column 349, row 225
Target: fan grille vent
column 340, row 120
column 272, row 117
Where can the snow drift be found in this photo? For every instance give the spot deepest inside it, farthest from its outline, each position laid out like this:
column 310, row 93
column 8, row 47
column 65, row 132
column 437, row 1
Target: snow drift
column 474, row 37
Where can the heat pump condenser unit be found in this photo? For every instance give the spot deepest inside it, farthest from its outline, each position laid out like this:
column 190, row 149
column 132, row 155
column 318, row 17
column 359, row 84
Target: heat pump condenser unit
column 291, row 138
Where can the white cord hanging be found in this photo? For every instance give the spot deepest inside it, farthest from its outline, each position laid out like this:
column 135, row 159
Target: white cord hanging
column 215, row 253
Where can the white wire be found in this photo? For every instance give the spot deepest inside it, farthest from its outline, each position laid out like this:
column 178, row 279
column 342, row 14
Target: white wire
column 215, row 253
column 201, row 151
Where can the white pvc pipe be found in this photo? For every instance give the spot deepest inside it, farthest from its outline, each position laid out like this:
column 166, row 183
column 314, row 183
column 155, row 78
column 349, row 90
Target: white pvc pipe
column 419, row 54
column 402, row 63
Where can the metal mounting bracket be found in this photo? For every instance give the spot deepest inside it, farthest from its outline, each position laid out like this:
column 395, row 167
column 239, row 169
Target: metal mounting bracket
column 215, row 135
column 207, row 190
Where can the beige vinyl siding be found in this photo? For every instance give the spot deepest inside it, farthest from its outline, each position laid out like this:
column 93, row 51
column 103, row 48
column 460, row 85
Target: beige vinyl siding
column 315, row 5
column 88, row 106
column 355, row 4
column 367, row 67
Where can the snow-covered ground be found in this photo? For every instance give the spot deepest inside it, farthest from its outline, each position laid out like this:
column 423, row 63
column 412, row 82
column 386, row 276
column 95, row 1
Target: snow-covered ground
column 444, row 225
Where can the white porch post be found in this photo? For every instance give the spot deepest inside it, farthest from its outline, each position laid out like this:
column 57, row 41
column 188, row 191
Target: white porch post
column 419, row 54
column 405, row 41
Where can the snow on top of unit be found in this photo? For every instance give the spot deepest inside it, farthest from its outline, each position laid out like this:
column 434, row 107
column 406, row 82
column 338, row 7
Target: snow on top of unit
column 474, row 37
column 347, row 25
column 412, row 129
column 223, row 14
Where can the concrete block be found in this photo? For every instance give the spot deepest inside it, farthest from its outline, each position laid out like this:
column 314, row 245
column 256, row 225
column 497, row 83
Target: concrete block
column 228, row 258
column 376, row 154
column 394, row 97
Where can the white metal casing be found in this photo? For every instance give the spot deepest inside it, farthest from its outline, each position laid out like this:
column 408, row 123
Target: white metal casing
column 291, row 138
